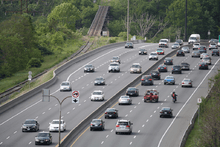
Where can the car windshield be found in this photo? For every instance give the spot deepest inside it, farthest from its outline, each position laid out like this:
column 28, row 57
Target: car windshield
column 135, row 66
column 213, row 44
column 129, row 43
column 88, row 65
column 196, row 44
column 196, row 52
column 56, row 122
column 142, row 49
column 43, row 135
column 115, row 58
column 30, row 122
column 186, row 80
column 169, row 77
column 192, row 38
column 132, row 89
column 99, row 79
column 165, row 108
column 96, row 121
column 114, row 65
column 184, row 63
column 153, row 53
column 97, row 93
column 159, row 49
column 124, row 97
column 176, row 66
column 111, row 110
column 163, row 41
column 65, row 84
column 123, row 123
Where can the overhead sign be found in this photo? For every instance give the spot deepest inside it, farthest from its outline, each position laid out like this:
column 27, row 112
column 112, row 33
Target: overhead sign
column 199, row 100
column 75, row 96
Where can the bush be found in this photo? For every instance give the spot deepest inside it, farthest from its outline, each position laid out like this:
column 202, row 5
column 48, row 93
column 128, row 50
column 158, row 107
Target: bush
column 112, row 41
column 124, row 36
column 33, row 62
column 44, row 50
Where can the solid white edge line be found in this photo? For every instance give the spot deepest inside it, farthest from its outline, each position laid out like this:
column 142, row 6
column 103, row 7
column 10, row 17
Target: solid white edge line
column 186, row 103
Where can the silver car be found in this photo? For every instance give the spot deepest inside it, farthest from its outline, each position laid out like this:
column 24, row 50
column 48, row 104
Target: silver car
column 54, row 125
column 114, row 67
column 185, row 49
column 196, row 46
column 175, row 45
column 207, row 60
column 97, row 95
column 89, row 68
column 123, row 126
column 213, row 46
column 116, row 59
column 186, row 83
column 99, row 81
column 153, row 56
column 65, row 86
column 125, row 100
column 135, row 68
column 195, row 54
column 203, row 55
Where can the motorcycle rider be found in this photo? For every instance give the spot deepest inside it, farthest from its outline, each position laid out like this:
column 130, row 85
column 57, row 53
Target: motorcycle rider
column 174, row 95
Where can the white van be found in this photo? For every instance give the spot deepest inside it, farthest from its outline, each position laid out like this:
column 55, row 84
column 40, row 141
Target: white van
column 164, row 43
column 194, row 38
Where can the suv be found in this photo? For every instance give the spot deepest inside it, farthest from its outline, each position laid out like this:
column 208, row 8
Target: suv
column 163, row 43
column 114, row 67
column 111, row 112
column 166, row 111
column 123, row 126
column 135, row 68
column 215, row 52
column 30, row 125
column 43, row 138
column 147, row 80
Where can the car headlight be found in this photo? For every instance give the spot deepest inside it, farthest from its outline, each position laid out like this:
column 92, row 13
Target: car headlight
column 95, row 81
column 138, row 69
column 139, row 51
column 85, row 69
column 101, row 81
column 36, row 139
column 131, row 69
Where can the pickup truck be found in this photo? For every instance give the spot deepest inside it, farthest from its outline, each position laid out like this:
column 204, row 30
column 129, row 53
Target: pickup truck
column 151, row 95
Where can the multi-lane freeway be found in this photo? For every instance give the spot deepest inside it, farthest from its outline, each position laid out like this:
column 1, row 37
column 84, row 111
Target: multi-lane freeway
column 148, row 129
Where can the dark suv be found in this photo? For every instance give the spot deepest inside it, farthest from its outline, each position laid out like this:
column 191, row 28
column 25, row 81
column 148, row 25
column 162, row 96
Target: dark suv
column 215, row 52
column 177, row 69
column 168, row 61
column 111, row 112
column 30, row 125
column 132, row 91
column 43, row 138
column 147, row 80
column 180, row 53
column 155, row 74
column 166, row 111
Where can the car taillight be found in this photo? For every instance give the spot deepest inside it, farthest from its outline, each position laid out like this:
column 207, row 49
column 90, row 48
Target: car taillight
column 158, row 67
column 91, row 124
column 172, row 68
column 117, row 125
column 199, row 65
column 183, row 83
column 105, row 112
column 114, row 112
column 127, row 126
column 199, row 48
column 158, row 74
column 142, row 79
column 212, row 51
column 165, row 68
column 100, row 124
column 189, row 83
column 171, row 61
column 206, row 65
column 150, row 79
column 157, row 52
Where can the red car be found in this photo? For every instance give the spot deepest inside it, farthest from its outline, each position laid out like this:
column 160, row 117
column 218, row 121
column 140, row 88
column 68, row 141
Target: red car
column 151, row 95
column 160, row 51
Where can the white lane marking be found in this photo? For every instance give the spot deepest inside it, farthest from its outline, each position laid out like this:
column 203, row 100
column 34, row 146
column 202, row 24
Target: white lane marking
column 79, row 104
column 165, row 100
column 151, row 115
column 15, row 132
column 82, row 87
column 87, row 85
column 126, row 115
column 176, row 86
column 142, row 126
column 112, row 130
column 56, row 104
column 134, row 136
column 161, row 103
column 8, row 137
column 130, row 143
column 139, row 103
column 73, row 108
column 43, row 113
column 135, row 107
column 155, row 111
column 29, row 142
column 62, row 116
column 186, row 103
column 102, row 142
column 130, row 111
column 158, row 107
column 49, row 109
column 107, row 136
column 139, row 131
column 1, row 143
column 147, row 120
column 156, row 86
column 68, row 112
column 36, row 117
column 84, row 101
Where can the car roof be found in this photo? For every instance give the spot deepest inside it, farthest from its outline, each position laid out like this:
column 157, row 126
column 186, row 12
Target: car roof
column 169, row 58
column 114, row 63
column 123, row 120
column 154, row 52
column 169, row 76
column 65, row 82
column 96, row 119
column 136, row 64
column 165, row 108
column 97, row 91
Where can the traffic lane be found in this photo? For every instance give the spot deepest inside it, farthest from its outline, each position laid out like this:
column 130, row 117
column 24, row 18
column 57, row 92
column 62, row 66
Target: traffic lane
column 187, row 113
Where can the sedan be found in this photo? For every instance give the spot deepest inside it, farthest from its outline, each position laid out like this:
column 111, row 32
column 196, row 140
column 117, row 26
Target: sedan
column 185, row 66
column 111, row 113
column 169, row 80
column 204, row 55
column 162, row 68
column 129, row 45
column 97, row 124
column 176, row 69
column 99, row 81
column 97, row 95
column 89, row 68
column 114, row 67
column 185, row 49
column 142, row 52
column 196, row 46
column 166, row 112
column 155, row 74
column 195, row 54
column 43, row 138
column 203, row 65
column 213, row 40
column 175, row 46
column 153, row 56
column 135, row 68
column 54, row 125
column 147, row 80
column 202, row 49
column 179, row 41
column 116, row 59
column 168, row 61
column 123, row 126
column 132, row 91
column 215, row 52
column 186, row 83
column 124, row 100
column 180, row 53
column 30, row 125
column 213, row 46
column 160, row 51
column 207, row 60
column 65, row 86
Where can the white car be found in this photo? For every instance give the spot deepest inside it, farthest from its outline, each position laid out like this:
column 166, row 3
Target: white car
column 164, row 43
column 54, row 125
column 153, row 56
column 218, row 44
column 114, row 67
column 116, row 59
column 97, row 95
column 196, row 46
column 203, row 55
column 65, row 86
column 135, row 68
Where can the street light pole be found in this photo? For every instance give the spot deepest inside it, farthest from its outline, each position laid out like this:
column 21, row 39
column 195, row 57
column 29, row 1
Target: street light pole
column 128, row 22
column 60, row 102
column 186, row 23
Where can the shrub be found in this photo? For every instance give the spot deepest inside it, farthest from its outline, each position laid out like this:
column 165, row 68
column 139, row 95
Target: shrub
column 112, row 41
column 33, row 62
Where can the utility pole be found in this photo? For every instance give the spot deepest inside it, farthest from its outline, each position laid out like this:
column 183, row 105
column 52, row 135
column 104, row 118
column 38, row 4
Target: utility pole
column 128, row 22
column 186, row 23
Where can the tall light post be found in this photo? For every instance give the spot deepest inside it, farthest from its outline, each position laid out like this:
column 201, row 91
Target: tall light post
column 128, row 22
column 186, row 23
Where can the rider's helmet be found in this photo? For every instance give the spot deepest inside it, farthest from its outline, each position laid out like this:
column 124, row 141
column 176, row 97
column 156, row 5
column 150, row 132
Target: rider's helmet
column 174, row 92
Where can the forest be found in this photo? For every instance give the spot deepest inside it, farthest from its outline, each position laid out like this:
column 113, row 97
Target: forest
column 33, row 29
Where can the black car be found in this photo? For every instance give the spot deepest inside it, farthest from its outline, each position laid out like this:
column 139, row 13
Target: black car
column 176, row 69
column 111, row 113
column 202, row 49
column 162, row 68
column 147, row 80
column 99, row 81
column 168, row 61
column 97, row 124
column 155, row 74
column 166, row 112
column 142, row 51
column 180, row 53
column 185, row 66
column 179, row 41
column 203, row 65
column 43, row 138
column 215, row 52
column 89, row 68
column 132, row 91
column 30, row 125
column 129, row 45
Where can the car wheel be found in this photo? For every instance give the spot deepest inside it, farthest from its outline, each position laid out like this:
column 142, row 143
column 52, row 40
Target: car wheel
column 105, row 117
column 160, row 116
column 36, row 143
column 91, row 129
column 172, row 72
column 164, row 83
column 22, row 130
column 119, row 104
column 116, row 133
column 130, row 132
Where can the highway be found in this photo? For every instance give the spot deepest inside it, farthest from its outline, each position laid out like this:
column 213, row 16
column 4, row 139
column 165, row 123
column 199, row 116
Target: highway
column 11, row 121
column 149, row 130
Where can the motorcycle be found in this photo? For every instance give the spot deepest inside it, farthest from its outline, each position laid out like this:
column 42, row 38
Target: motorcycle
column 174, row 98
